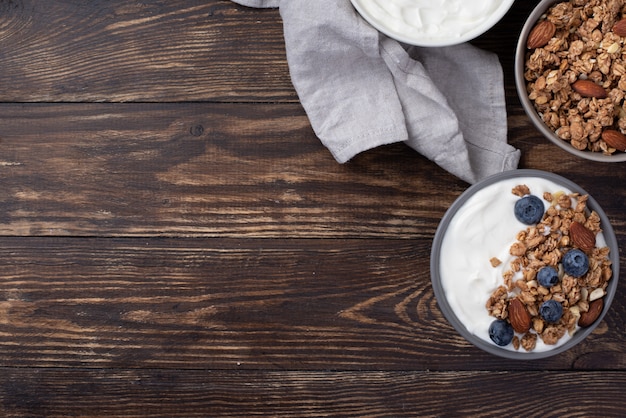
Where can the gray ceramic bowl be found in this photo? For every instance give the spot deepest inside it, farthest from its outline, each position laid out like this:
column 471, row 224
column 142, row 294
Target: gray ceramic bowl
column 442, row 299
column 520, row 58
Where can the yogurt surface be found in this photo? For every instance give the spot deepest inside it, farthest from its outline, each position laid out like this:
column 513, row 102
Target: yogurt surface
column 485, row 227
column 432, row 20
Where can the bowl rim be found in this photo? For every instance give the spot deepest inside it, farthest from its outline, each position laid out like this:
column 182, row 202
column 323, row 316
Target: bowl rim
column 581, row 334
column 520, row 84
column 502, row 9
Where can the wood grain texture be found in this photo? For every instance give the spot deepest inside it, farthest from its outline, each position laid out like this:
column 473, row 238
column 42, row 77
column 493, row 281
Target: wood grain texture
column 242, row 304
column 201, row 393
column 202, row 169
column 175, row 50
column 238, row 170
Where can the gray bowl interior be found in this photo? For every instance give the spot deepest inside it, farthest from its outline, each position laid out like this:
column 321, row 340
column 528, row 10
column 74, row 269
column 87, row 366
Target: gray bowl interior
column 520, row 83
column 581, row 334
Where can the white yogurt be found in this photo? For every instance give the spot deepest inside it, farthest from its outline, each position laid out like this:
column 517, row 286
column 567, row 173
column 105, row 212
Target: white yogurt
column 485, row 227
column 434, row 20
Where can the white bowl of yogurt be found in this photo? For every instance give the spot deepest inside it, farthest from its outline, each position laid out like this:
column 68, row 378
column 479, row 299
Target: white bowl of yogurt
column 432, row 23
column 480, row 227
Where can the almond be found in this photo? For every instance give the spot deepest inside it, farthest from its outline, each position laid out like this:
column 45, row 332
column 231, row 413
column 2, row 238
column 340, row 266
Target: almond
column 540, row 35
column 588, row 88
column 589, row 317
column 519, row 316
column 582, row 237
column 620, row 28
column 614, row 139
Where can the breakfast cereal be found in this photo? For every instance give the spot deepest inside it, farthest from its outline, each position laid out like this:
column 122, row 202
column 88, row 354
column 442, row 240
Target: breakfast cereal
column 575, row 73
column 566, row 227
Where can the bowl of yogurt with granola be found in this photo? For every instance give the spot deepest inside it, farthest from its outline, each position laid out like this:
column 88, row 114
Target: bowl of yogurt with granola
column 524, row 264
column 432, row 22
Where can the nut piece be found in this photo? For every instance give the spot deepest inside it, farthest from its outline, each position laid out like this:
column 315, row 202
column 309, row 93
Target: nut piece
column 582, row 236
column 519, row 316
column 589, row 317
column 620, row 28
column 588, row 88
column 596, row 294
column 540, row 35
column 614, row 139
column 495, row 262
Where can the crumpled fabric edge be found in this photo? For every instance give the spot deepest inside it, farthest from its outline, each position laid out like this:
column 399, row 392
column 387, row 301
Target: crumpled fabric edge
column 446, row 146
column 258, row 3
column 363, row 116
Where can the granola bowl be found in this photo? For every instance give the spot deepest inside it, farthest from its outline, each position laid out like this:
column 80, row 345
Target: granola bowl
column 524, row 264
column 569, row 75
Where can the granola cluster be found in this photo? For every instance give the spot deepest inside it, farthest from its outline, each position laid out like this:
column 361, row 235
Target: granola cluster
column 545, row 244
column 584, row 47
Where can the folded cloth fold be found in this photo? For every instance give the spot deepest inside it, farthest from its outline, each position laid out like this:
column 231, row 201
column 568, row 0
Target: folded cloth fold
column 361, row 89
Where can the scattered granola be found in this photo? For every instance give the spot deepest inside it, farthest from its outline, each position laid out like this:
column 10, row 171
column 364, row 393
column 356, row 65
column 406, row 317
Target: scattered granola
column 585, row 47
column 545, row 244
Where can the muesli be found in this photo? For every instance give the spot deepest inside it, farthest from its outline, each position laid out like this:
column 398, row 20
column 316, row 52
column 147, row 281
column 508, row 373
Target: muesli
column 558, row 277
column 575, row 73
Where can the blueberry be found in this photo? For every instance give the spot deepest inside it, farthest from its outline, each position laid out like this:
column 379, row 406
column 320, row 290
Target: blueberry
column 547, row 276
column 575, row 263
column 529, row 210
column 551, row 310
column 501, row 332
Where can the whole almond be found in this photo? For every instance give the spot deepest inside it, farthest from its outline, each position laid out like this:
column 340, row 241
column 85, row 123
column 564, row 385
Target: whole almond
column 620, row 28
column 588, row 88
column 589, row 317
column 582, row 237
column 519, row 316
column 614, row 139
column 540, row 35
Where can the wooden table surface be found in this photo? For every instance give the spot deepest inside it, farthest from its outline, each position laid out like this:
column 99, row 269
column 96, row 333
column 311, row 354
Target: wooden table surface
column 176, row 242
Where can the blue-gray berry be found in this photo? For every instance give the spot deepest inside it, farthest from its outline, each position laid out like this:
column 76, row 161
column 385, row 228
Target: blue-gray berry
column 575, row 263
column 529, row 210
column 501, row 332
column 548, row 276
column 551, row 310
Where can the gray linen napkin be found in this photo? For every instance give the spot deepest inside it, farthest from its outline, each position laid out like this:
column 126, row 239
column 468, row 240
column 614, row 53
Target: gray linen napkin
column 361, row 89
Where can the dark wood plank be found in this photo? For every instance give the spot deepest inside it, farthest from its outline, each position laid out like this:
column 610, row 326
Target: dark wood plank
column 230, row 170
column 243, row 304
column 155, row 50
column 202, row 393
column 201, row 169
